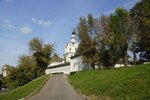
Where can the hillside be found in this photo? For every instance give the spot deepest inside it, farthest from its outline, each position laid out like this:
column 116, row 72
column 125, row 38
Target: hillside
column 132, row 83
column 25, row 90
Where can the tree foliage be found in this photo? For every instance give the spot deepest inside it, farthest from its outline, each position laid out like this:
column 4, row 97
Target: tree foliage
column 41, row 52
column 107, row 54
column 108, row 39
column 30, row 66
column 105, row 40
column 87, row 48
column 141, row 16
column 120, row 23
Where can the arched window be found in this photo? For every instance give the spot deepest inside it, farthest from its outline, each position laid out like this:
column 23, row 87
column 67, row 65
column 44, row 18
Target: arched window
column 70, row 49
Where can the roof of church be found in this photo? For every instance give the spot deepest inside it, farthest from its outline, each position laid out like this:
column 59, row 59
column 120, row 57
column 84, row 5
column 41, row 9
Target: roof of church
column 60, row 65
column 55, row 58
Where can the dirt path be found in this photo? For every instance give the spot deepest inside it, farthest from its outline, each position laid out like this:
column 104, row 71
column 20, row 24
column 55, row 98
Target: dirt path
column 57, row 88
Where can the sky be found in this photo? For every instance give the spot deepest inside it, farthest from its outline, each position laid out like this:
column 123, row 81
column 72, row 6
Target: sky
column 51, row 20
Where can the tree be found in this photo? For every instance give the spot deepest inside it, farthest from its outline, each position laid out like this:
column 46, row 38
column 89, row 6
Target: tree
column 133, row 43
column 87, row 47
column 27, row 65
column 120, row 23
column 30, row 66
column 42, row 53
column 107, row 54
column 21, row 74
column 141, row 16
column 11, row 81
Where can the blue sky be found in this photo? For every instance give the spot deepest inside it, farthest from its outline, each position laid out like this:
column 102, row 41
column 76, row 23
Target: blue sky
column 52, row 20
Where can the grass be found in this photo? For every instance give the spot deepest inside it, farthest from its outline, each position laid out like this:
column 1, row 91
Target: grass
column 25, row 90
column 128, row 83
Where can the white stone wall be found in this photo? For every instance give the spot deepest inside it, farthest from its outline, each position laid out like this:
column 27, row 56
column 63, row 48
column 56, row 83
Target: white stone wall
column 76, row 64
column 4, row 71
column 118, row 65
column 64, row 69
column 67, row 56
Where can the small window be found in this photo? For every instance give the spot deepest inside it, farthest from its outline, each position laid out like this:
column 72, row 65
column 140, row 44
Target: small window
column 70, row 49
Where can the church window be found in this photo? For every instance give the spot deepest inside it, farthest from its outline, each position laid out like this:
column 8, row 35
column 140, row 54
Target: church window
column 70, row 49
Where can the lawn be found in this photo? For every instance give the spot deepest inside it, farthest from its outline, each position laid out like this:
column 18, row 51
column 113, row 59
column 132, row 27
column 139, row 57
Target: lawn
column 25, row 90
column 127, row 83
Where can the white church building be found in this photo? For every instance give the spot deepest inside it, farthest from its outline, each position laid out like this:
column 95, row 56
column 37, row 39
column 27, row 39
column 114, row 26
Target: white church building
column 72, row 61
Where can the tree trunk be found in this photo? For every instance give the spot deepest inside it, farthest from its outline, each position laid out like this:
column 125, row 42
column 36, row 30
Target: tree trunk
column 125, row 56
column 134, row 54
column 126, row 60
column 134, row 57
column 93, row 66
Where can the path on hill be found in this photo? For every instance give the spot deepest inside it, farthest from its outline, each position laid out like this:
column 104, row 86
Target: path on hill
column 57, row 88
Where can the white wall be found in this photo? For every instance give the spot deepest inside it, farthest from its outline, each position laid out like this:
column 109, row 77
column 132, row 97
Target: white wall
column 64, row 69
column 118, row 65
column 70, row 50
column 77, row 64
column 71, row 47
column 4, row 71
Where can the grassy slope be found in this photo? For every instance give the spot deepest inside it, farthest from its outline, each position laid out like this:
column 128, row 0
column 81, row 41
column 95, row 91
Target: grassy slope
column 25, row 90
column 132, row 83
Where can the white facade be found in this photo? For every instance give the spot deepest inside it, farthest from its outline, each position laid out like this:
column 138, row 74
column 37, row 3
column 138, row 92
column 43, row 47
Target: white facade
column 118, row 65
column 77, row 64
column 4, row 71
column 70, row 48
column 67, row 65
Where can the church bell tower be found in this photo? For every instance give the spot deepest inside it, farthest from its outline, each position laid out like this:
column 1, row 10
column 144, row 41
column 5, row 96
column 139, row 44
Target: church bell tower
column 73, row 38
column 70, row 48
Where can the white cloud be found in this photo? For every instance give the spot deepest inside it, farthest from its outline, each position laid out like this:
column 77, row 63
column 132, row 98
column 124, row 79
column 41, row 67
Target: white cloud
column 6, row 21
column 25, row 30
column 8, row 26
column 41, row 22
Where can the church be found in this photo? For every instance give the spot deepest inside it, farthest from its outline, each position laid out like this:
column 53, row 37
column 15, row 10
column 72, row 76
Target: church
column 72, row 61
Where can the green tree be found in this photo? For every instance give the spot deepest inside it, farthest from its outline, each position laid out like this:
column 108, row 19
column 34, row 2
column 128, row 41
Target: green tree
column 42, row 53
column 21, row 74
column 86, row 37
column 30, row 66
column 107, row 54
column 120, row 23
column 27, row 65
column 133, row 43
column 141, row 16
